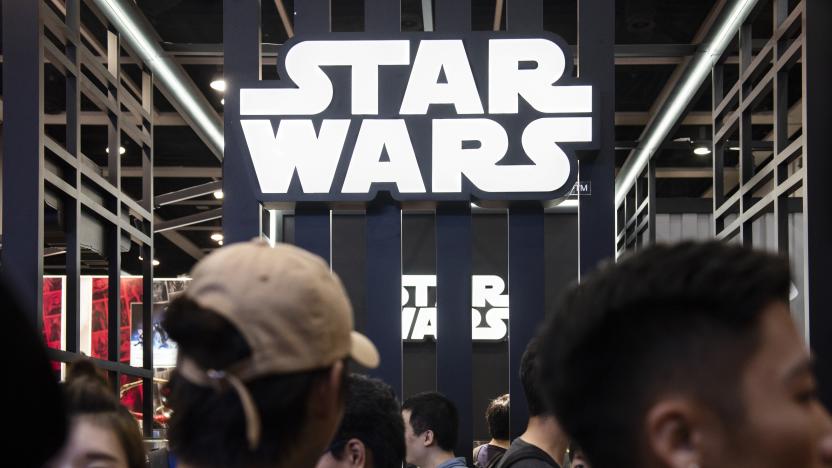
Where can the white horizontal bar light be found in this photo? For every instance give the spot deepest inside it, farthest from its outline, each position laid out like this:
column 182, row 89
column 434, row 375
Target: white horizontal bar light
column 699, row 69
column 133, row 26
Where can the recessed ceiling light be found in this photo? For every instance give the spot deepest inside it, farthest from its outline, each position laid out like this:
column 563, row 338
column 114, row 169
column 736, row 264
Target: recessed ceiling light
column 701, row 150
column 218, row 85
column 155, row 262
column 220, row 242
column 219, row 195
column 217, row 237
column 222, row 101
column 121, row 150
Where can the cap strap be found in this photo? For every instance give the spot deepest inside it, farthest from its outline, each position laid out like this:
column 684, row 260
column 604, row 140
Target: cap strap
column 215, row 379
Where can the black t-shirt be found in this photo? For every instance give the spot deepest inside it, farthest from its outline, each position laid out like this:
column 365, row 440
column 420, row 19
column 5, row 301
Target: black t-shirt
column 532, row 456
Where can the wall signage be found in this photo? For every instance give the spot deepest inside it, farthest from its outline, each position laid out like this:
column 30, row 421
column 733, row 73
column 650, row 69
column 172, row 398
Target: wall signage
column 490, row 116
column 489, row 308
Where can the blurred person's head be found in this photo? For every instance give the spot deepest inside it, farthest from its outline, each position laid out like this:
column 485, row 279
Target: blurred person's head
column 431, row 423
column 371, row 433
column 543, row 429
column 497, row 418
column 102, row 432
column 685, row 356
column 530, row 380
column 36, row 410
column 263, row 335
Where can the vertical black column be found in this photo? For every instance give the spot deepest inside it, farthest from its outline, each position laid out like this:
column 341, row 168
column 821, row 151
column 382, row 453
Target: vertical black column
column 113, row 246
column 384, row 289
column 452, row 16
column 454, row 352
column 312, row 223
column 527, row 297
column 817, row 191
column 72, row 207
column 148, row 254
column 241, row 45
column 23, row 154
column 596, row 60
column 384, row 245
column 526, row 261
column 313, row 16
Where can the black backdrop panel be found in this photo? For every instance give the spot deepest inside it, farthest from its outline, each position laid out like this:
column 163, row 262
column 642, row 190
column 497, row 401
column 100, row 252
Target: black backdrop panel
column 490, row 257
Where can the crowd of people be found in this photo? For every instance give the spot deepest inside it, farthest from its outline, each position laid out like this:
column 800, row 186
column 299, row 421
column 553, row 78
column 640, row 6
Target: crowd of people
column 679, row 356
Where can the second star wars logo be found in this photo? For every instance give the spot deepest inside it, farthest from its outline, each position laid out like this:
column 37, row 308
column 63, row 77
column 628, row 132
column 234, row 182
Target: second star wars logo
column 489, row 308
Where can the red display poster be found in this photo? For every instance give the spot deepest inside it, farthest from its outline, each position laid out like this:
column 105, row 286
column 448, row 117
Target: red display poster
column 53, row 292
column 131, row 291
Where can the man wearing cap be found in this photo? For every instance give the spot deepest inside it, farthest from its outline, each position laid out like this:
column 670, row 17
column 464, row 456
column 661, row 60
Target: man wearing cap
column 263, row 337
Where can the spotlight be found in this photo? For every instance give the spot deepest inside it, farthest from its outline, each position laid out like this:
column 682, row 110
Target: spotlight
column 121, row 150
column 222, row 101
column 218, row 85
column 217, row 237
column 219, row 195
column 155, row 262
column 220, row 242
column 701, row 150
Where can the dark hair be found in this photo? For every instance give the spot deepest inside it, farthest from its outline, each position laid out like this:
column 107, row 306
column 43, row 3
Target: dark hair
column 207, row 427
column 372, row 415
column 497, row 417
column 37, row 409
column 530, row 378
column 87, row 394
column 433, row 411
column 680, row 318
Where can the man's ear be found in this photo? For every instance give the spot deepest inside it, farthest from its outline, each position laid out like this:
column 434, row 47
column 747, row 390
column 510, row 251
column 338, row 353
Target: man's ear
column 428, row 438
column 673, row 431
column 356, row 453
column 326, row 394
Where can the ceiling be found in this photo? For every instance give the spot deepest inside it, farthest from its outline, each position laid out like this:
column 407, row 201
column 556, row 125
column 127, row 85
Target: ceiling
column 652, row 38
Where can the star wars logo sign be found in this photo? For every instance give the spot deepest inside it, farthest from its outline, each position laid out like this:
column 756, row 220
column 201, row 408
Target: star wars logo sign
column 484, row 115
column 489, row 308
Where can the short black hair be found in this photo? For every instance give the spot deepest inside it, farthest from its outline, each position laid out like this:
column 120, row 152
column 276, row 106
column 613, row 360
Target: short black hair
column 497, row 417
column 207, row 427
column 680, row 318
column 373, row 416
column 434, row 411
column 530, row 378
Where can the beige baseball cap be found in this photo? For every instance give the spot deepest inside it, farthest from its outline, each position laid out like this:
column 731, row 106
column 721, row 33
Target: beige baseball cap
column 289, row 306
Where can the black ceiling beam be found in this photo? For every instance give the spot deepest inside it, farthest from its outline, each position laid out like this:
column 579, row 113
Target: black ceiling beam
column 197, row 218
column 187, row 193
column 621, row 50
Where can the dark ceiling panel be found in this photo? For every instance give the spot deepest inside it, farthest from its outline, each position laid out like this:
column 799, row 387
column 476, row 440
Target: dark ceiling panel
column 659, row 21
column 185, row 21
column 638, row 86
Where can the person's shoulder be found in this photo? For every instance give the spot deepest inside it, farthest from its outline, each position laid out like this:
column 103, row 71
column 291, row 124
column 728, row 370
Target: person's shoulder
column 532, row 463
column 522, row 454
